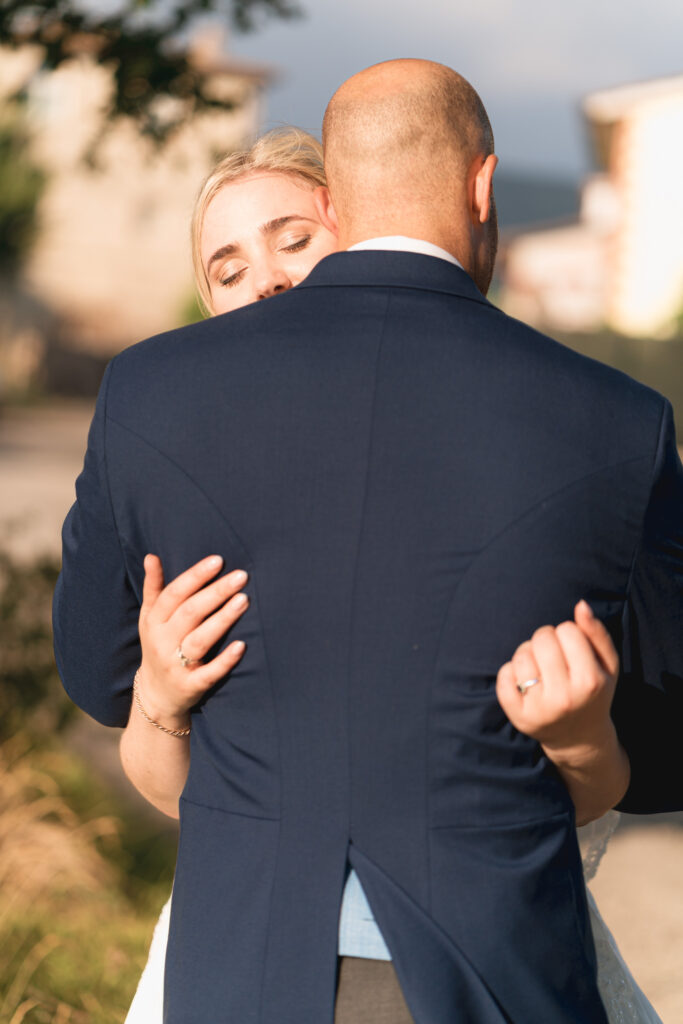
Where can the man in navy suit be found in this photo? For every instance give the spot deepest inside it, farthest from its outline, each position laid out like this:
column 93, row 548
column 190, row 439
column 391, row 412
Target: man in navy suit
column 414, row 482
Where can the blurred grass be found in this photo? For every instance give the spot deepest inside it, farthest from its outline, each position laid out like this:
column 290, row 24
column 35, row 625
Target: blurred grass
column 81, row 879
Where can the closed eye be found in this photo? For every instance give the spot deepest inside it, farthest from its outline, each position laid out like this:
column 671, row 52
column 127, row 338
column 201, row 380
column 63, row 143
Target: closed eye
column 297, row 246
column 232, row 280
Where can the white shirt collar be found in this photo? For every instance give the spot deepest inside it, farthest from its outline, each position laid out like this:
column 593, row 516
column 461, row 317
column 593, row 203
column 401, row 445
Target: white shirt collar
column 401, row 243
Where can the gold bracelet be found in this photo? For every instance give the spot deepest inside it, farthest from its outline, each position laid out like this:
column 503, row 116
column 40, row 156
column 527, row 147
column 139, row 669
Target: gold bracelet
column 169, row 732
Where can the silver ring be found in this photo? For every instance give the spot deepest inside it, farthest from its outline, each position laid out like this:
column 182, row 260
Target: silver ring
column 184, row 660
column 523, row 687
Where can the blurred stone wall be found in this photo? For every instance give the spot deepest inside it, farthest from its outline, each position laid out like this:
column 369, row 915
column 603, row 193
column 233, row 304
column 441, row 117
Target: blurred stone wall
column 111, row 262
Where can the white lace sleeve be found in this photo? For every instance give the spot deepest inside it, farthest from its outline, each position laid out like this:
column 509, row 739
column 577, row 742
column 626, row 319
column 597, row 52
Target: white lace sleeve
column 623, row 1000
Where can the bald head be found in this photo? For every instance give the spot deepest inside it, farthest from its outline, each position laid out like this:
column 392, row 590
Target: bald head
column 408, row 150
column 407, row 126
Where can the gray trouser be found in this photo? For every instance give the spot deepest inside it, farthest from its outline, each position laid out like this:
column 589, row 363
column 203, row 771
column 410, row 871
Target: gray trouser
column 368, row 992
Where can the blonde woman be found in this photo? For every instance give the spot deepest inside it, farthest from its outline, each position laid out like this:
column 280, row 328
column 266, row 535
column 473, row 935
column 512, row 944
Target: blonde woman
column 256, row 231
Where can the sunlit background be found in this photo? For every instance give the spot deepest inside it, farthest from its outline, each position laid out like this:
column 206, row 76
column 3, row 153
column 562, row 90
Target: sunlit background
column 96, row 189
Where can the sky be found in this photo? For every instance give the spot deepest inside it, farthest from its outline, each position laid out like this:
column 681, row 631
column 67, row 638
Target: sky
column 530, row 60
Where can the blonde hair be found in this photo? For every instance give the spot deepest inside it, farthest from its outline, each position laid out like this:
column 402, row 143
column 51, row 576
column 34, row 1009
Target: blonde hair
column 287, row 150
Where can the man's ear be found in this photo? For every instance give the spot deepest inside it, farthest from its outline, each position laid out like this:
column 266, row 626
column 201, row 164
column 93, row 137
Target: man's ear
column 483, row 187
column 325, row 209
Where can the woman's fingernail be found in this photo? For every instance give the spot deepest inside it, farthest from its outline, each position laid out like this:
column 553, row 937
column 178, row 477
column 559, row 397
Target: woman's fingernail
column 584, row 605
column 238, row 577
column 237, row 647
column 240, row 601
column 214, row 561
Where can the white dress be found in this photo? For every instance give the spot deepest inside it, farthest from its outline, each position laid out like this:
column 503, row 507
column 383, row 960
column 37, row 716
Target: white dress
column 623, row 1000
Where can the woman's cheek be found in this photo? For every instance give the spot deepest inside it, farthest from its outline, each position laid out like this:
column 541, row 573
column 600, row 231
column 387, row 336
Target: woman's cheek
column 312, row 256
column 223, row 300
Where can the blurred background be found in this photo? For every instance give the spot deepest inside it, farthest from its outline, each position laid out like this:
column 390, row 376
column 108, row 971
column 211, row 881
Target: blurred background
column 111, row 113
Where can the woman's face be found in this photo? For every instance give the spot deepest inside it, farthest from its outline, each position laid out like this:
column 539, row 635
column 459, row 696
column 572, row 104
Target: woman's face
column 261, row 235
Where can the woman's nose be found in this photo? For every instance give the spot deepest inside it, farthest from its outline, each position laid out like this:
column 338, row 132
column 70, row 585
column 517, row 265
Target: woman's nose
column 272, row 281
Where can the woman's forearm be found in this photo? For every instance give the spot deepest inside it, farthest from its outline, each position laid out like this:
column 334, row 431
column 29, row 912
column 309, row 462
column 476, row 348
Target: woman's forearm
column 596, row 774
column 178, row 626
column 155, row 762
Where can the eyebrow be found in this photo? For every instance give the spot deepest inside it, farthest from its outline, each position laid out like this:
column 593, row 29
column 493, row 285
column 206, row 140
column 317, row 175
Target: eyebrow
column 266, row 229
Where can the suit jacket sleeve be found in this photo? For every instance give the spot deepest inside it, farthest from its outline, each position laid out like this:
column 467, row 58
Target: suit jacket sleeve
column 648, row 707
column 95, row 610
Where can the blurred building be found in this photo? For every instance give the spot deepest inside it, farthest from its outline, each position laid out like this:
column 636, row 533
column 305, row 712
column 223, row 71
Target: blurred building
column 621, row 265
column 112, row 259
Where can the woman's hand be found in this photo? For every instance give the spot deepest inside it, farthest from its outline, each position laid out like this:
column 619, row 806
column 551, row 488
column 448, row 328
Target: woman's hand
column 188, row 616
column 577, row 666
column 568, row 709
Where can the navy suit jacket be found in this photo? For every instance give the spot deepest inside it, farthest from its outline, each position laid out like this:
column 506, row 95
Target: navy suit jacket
column 414, row 482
